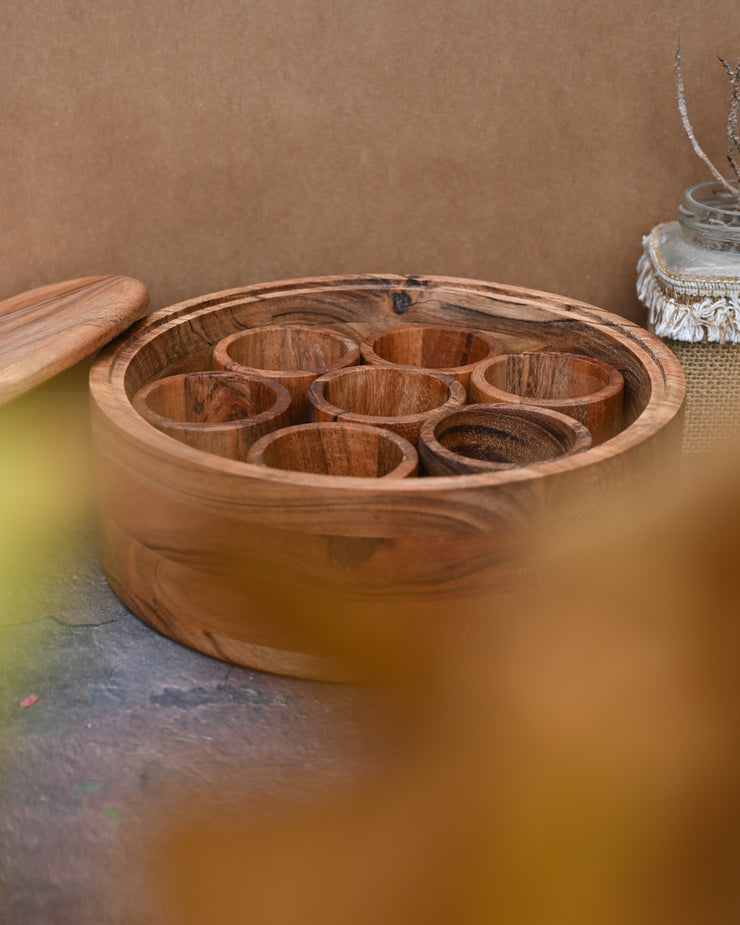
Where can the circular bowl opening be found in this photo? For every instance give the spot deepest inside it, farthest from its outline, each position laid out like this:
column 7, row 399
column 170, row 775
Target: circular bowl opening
column 430, row 346
column 385, row 392
column 485, row 437
column 207, row 398
column 338, row 449
column 287, row 348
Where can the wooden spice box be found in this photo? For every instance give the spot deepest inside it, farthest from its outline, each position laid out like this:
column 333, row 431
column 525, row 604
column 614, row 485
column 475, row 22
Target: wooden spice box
column 270, row 568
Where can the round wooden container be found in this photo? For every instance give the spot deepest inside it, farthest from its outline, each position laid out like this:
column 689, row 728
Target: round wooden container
column 482, row 438
column 284, row 571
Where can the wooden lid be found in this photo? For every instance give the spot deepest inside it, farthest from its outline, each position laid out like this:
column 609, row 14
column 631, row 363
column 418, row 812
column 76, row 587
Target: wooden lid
column 46, row 330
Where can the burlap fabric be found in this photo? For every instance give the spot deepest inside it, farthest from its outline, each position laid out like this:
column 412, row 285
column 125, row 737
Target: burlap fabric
column 693, row 300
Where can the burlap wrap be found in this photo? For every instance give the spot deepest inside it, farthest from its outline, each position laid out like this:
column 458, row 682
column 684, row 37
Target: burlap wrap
column 693, row 300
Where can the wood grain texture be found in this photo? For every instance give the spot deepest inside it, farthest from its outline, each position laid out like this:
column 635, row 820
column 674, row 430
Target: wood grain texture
column 399, row 399
column 337, row 449
column 220, row 412
column 485, row 438
column 229, row 556
column 584, row 388
column 46, row 330
column 448, row 349
column 292, row 354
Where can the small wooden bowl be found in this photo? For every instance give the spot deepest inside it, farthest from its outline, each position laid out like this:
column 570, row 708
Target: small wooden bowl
column 397, row 398
column 220, row 412
column 584, row 388
column 337, row 449
column 445, row 348
column 486, row 438
column 292, row 354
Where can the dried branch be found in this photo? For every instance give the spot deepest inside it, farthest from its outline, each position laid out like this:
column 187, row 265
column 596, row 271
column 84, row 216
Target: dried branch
column 733, row 140
column 690, row 132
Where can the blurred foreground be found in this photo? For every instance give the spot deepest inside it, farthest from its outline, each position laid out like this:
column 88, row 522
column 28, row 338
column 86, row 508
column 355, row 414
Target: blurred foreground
column 571, row 760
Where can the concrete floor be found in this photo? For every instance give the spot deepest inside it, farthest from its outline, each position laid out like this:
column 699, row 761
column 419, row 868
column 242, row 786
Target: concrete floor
column 128, row 723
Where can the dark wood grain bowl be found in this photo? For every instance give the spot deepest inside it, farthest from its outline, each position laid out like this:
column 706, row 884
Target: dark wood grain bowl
column 485, row 437
column 291, row 572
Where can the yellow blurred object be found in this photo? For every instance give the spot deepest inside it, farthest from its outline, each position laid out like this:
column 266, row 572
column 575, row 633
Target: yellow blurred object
column 46, row 489
column 573, row 762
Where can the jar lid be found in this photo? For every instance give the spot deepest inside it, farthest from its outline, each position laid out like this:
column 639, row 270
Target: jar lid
column 46, row 330
column 692, row 293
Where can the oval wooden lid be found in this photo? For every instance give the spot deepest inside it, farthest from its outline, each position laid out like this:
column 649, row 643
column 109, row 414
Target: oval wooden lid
column 46, row 330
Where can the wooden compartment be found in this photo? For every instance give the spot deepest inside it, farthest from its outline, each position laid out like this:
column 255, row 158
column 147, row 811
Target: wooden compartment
column 399, row 399
column 292, row 354
column 269, row 568
column 446, row 348
column 585, row 388
column 220, row 412
column 481, row 438
column 337, row 448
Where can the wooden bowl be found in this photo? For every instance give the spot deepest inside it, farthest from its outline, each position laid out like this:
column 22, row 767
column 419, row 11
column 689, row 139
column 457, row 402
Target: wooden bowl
column 582, row 387
column 485, row 438
column 337, row 449
column 219, row 412
column 292, row 354
column 399, row 399
column 448, row 349
column 268, row 568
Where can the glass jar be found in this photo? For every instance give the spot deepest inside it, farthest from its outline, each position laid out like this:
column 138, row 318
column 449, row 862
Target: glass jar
column 689, row 281
column 710, row 217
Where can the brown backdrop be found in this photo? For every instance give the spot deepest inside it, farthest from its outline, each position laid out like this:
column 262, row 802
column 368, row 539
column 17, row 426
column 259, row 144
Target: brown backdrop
column 199, row 146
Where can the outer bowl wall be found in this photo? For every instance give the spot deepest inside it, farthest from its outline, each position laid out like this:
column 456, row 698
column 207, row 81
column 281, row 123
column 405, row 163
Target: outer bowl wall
column 260, row 566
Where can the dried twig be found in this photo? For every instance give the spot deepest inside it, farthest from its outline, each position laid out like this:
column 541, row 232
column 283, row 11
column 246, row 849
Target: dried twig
column 690, row 132
column 733, row 140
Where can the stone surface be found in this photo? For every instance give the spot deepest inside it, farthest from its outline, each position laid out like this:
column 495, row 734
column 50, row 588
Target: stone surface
column 128, row 726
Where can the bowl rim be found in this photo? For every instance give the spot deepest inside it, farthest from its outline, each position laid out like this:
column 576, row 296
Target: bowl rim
column 408, row 464
column 431, row 446
column 351, row 354
column 369, row 355
column 278, row 408
column 317, row 394
column 613, row 385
